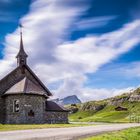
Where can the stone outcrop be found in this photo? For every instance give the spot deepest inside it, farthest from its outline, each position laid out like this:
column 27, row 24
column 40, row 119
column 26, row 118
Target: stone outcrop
column 134, row 98
column 93, row 107
column 117, row 101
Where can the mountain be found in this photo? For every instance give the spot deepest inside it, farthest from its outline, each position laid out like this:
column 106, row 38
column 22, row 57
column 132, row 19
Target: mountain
column 122, row 108
column 73, row 99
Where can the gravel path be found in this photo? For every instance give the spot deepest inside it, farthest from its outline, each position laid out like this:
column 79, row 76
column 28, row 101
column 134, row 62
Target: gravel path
column 72, row 133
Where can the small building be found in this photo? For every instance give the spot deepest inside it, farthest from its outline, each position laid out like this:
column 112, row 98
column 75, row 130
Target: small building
column 120, row 108
column 24, row 98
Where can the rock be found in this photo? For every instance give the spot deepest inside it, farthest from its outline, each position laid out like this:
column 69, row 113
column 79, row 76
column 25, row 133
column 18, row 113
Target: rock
column 73, row 99
column 118, row 101
column 134, row 98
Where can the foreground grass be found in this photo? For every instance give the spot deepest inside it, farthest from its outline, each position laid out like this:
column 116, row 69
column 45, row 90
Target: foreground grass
column 128, row 134
column 8, row 127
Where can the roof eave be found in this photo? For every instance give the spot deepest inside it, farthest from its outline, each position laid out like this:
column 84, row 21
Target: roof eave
column 23, row 93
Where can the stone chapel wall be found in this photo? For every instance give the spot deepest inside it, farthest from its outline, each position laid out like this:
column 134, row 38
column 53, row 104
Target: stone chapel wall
column 56, row 117
column 2, row 110
column 31, row 109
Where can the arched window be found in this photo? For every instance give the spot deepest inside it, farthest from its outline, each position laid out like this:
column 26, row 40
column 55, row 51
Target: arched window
column 16, row 106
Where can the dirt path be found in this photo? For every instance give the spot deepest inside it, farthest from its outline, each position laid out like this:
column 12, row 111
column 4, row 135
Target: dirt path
column 72, row 133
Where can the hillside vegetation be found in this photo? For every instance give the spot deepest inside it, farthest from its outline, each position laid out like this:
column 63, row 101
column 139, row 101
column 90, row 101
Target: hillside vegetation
column 105, row 110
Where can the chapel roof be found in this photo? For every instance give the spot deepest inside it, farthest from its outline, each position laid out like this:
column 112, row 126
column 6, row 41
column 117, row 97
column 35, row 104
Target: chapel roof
column 25, row 86
column 52, row 106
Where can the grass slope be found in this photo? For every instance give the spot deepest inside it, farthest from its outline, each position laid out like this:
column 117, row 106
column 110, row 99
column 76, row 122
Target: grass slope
column 108, row 114
column 9, row 127
column 128, row 134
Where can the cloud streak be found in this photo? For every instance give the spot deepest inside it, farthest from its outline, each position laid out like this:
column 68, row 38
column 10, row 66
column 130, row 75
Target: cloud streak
column 94, row 22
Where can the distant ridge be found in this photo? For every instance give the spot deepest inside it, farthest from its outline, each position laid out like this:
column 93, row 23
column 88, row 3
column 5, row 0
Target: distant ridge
column 73, row 99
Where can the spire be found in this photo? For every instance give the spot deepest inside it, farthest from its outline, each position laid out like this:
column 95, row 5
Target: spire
column 21, row 56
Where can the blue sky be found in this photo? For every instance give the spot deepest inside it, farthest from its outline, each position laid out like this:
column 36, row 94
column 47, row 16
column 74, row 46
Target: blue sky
column 10, row 13
column 86, row 47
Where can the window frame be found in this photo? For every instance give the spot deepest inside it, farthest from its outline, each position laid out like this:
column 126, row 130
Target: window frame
column 16, row 101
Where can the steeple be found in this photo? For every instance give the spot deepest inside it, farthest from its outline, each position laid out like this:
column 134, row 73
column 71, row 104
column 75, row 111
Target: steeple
column 21, row 56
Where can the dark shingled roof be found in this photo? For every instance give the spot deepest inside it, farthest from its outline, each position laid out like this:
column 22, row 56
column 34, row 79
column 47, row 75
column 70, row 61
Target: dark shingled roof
column 25, row 86
column 52, row 106
column 28, row 82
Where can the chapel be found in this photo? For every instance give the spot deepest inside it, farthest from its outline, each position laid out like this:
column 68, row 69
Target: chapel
column 24, row 99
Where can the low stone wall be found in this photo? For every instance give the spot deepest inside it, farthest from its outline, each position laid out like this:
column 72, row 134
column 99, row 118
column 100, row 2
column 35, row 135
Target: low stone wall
column 56, row 117
column 2, row 110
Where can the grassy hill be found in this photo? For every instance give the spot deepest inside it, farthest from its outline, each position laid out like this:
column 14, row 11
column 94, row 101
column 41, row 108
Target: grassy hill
column 104, row 110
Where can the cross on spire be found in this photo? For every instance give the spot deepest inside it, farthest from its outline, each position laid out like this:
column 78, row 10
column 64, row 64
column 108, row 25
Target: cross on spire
column 20, row 26
column 21, row 56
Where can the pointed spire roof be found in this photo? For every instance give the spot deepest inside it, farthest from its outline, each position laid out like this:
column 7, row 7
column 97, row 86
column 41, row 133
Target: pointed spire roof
column 21, row 51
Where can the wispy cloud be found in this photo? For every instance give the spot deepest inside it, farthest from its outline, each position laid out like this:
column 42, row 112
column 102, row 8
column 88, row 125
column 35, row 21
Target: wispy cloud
column 125, row 70
column 94, row 22
column 98, row 94
column 47, row 26
column 132, row 70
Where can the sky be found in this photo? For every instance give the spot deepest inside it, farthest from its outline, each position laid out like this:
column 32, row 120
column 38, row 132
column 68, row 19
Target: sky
column 88, row 48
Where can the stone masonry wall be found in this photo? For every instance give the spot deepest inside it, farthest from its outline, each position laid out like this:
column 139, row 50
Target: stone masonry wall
column 56, row 117
column 36, row 103
column 26, row 104
column 2, row 110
